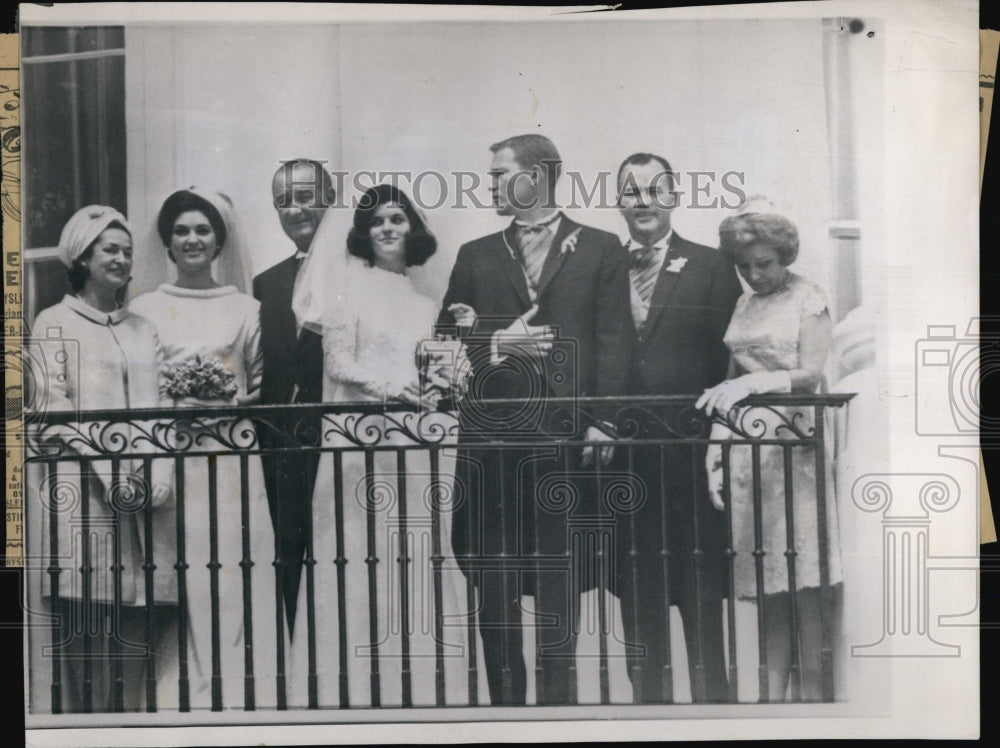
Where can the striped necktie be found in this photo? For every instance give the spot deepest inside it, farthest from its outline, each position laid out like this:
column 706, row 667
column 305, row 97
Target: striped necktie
column 533, row 242
column 643, row 271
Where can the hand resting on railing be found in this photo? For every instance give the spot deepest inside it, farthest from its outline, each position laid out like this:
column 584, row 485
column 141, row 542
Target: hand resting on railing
column 724, row 396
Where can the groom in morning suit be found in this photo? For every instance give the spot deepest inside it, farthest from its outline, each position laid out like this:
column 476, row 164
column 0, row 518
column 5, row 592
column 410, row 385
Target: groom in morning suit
column 682, row 296
column 293, row 366
column 550, row 302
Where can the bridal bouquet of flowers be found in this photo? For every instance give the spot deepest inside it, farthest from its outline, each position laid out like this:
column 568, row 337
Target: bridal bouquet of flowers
column 198, row 378
column 445, row 369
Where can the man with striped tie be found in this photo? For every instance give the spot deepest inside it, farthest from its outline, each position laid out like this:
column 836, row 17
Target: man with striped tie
column 545, row 303
column 682, row 295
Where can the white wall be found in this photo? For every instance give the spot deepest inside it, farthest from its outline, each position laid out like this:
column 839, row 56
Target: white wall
column 219, row 107
column 708, row 95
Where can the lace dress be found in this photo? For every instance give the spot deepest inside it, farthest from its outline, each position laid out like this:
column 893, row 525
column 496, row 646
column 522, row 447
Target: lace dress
column 369, row 355
column 763, row 335
column 224, row 324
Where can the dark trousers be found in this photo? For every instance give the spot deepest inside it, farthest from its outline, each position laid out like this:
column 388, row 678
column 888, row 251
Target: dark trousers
column 524, row 503
column 645, row 616
column 289, row 478
column 556, row 616
column 677, row 517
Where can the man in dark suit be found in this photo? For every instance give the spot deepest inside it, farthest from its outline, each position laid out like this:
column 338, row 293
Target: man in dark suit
column 682, row 296
column 549, row 298
column 293, row 368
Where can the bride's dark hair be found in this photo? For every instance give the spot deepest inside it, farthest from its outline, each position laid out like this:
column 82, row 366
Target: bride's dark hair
column 420, row 243
column 183, row 201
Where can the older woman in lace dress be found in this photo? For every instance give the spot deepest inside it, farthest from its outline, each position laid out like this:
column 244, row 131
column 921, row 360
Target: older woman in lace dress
column 778, row 338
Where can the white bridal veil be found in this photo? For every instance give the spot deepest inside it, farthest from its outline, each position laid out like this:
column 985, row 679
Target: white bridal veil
column 328, row 273
column 232, row 266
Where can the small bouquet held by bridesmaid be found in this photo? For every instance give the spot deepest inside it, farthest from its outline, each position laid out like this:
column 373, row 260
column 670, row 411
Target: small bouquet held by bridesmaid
column 198, row 378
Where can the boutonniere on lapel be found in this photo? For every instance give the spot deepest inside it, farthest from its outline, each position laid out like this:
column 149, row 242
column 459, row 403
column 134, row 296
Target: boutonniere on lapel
column 569, row 243
column 676, row 265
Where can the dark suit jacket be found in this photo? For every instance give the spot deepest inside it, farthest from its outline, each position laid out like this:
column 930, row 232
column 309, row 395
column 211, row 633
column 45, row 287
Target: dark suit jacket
column 288, row 359
column 585, row 294
column 680, row 351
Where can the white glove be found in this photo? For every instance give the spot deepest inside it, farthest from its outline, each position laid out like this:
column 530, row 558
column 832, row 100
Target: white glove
column 161, row 475
column 724, row 396
column 713, row 466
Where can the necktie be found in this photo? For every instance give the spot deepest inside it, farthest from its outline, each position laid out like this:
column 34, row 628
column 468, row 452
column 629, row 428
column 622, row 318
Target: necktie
column 533, row 243
column 643, row 271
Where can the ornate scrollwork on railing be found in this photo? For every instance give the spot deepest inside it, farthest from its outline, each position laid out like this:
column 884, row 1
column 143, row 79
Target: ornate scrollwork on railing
column 165, row 435
column 769, row 422
column 683, row 421
column 234, row 434
column 88, row 438
column 110, row 433
column 152, row 436
column 653, row 421
column 370, row 429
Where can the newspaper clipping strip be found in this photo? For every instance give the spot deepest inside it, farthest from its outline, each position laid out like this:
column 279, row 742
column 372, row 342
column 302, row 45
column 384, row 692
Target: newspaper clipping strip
column 989, row 45
column 10, row 132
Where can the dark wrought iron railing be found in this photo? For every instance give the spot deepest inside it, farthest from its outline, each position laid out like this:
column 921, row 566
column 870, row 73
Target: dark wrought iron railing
column 202, row 438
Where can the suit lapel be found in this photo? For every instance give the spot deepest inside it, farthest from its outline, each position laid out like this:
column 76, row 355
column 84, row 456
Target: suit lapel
column 556, row 256
column 665, row 284
column 284, row 281
column 512, row 267
column 292, row 270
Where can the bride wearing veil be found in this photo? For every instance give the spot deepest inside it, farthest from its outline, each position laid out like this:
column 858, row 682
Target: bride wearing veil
column 374, row 527
column 207, row 325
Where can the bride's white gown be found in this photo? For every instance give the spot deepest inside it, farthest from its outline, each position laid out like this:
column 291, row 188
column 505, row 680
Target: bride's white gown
column 369, row 356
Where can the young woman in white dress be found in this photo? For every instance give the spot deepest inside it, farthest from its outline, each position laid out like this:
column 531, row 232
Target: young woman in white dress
column 382, row 534
column 222, row 499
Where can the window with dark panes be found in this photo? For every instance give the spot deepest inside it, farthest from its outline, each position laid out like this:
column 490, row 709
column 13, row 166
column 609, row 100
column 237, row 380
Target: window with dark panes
column 73, row 114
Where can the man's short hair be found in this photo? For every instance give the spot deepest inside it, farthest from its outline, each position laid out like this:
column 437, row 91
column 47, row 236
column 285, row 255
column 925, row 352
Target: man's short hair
column 533, row 150
column 641, row 159
column 317, row 166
